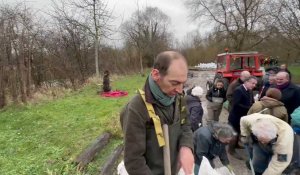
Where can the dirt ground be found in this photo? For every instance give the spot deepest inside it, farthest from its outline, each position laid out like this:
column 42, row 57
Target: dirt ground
column 199, row 78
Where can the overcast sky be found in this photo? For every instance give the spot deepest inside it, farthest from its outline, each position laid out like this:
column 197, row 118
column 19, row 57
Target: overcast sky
column 175, row 9
column 122, row 10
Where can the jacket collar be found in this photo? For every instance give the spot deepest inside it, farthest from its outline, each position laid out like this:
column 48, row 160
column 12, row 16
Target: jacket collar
column 149, row 96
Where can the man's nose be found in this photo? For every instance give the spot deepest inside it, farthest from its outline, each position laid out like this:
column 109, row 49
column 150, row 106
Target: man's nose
column 179, row 88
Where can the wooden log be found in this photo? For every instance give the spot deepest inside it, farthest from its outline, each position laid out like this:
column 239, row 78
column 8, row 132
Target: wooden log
column 109, row 164
column 90, row 153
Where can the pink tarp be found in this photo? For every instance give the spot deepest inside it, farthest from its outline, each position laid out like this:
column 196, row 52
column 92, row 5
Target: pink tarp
column 114, row 94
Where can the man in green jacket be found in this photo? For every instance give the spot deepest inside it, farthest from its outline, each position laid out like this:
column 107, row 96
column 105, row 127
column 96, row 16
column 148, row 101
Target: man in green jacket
column 143, row 153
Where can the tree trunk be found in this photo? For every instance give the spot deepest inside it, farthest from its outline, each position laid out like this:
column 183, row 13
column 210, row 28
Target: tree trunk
column 20, row 74
column 28, row 75
column 22, row 82
column 96, row 40
column 2, row 87
column 13, row 83
column 96, row 57
column 141, row 63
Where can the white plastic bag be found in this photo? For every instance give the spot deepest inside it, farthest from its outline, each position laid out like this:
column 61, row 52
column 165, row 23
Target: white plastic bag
column 121, row 169
column 206, row 169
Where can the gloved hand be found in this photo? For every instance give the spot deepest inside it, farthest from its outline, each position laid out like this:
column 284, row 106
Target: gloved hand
column 229, row 168
column 244, row 140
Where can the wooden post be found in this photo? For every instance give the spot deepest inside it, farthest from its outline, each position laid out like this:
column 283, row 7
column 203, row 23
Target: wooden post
column 167, row 158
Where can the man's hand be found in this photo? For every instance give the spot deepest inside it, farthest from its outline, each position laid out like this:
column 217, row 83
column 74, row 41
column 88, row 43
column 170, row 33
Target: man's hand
column 186, row 160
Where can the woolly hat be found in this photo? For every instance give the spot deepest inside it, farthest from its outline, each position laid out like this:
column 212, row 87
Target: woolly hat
column 197, row 91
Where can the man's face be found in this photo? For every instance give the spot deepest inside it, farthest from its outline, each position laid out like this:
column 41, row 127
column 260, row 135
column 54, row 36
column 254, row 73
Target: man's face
column 283, row 66
column 250, row 84
column 219, row 85
column 172, row 83
column 281, row 78
column 225, row 140
column 272, row 79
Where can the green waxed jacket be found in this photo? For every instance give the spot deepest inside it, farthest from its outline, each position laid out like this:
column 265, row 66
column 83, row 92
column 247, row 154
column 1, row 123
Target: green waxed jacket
column 142, row 154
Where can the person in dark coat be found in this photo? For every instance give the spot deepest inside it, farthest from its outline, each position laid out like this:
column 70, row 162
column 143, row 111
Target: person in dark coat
column 290, row 92
column 269, row 80
column 216, row 96
column 142, row 118
column 233, row 85
column 106, row 82
column 194, row 107
column 242, row 101
column 210, row 141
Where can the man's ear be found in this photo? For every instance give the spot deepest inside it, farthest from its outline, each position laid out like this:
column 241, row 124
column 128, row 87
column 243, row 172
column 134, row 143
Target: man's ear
column 155, row 74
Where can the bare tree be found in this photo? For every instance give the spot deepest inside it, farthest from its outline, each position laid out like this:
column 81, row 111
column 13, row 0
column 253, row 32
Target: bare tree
column 91, row 15
column 202, row 49
column 244, row 24
column 289, row 21
column 147, row 30
column 18, row 38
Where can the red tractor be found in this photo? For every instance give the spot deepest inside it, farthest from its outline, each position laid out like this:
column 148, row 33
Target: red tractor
column 230, row 66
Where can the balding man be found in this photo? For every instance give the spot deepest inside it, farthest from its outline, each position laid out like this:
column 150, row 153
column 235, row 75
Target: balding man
column 290, row 92
column 233, row 85
column 143, row 153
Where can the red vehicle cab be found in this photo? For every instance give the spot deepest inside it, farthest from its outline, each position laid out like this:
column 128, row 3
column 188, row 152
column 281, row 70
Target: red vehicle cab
column 230, row 66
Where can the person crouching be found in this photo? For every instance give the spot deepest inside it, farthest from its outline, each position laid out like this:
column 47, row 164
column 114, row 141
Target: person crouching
column 210, row 141
column 271, row 141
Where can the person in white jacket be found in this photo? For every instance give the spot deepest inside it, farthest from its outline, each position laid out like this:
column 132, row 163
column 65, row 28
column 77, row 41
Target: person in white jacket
column 271, row 140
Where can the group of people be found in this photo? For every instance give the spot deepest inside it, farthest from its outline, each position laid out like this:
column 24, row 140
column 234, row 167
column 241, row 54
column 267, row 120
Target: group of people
column 163, row 102
column 266, row 122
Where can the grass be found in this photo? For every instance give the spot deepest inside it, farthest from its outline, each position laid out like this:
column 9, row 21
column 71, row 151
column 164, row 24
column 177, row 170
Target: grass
column 45, row 138
column 295, row 70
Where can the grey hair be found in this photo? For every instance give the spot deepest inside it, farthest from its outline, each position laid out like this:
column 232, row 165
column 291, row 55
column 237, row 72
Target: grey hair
column 223, row 130
column 264, row 128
